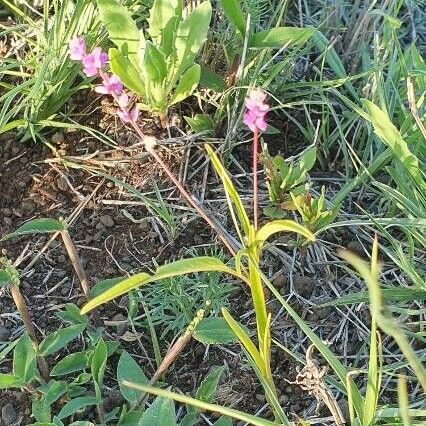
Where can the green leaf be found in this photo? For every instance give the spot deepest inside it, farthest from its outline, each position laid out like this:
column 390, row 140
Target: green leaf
column 233, row 11
column 70, row 364
column 59, row 339
column 9, row 381
column 188, row 82
column 155, row 67
column 36, row 226
column 223, row 421
column 283, row 225
column 75, row 405
column 180, row 267
column 161, row 413
column 391, row 136
column 4, row 277
column 72, row 315
column 98, row 366
column 130, row 419
column 211, row 80
column 214, row 330
column 127, row 72
column 24, row 360
column 122, row 29
column 104, row 285
column 191, row 35
column 200, row 123
column 128, row 369
column 162, row 18
column 208, row 386
column 281, row 36
column 231, row 194
column 247, row 418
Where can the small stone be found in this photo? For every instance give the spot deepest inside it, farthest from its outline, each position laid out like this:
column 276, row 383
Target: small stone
column 107, row 221
column 357, row 248
column 280, row 281
column 58, row 138
column 283, row 400
column 8, row 414
column 7, row 221
column 4, row 333
column 119, row 318
column 62, row 184
column 7, row 212
column 61, row 258
column 260, row 397
column 303, row 285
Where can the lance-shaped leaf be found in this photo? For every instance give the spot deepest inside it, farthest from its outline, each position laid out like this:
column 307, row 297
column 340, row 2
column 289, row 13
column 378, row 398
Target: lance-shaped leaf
column 37, row 226
column 281, row 36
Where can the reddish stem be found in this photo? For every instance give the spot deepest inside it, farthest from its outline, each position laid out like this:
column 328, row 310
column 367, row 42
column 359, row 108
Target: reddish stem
column 255, row 190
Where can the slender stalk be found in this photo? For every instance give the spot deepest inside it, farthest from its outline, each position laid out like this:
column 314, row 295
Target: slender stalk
column 183, row 191
column 76, row 263
column 24, row 313
column 255, row 188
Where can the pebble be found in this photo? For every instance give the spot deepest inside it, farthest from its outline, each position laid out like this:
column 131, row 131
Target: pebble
column 4, row 333
column 283, row 400
column 58, row 138
column 260, row 397
column 107, row 221
column 303, row 285
column 280, row 281
column 7, row 221
column 8, row 414
column 61, row 258
column 7, row 212
column 357, row 248
column 62, row 184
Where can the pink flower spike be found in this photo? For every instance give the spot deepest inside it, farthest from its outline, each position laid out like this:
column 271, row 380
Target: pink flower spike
column 77, row 48
column 129, row 116
column 94, row 61
column 123, row 101
column 110, row 85
column 257, row 108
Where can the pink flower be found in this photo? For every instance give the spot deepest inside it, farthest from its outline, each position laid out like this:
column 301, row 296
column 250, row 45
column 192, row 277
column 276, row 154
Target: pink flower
column 123, row 101
column 77, row 49
column 128, row 116
column 257, row 108
column 111, row 84
column 94, row 61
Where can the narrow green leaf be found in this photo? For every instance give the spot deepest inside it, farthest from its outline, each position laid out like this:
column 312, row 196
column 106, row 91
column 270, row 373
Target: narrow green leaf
column 4, row 277
column 223, row 421
column 36, row 226
column 214, row 330
column 9, row 381
column 71, row 314
column 188, row 82
column 281, row 36
column 98, row 363
column 128, row 369
column 154, row 64
column 208, row 386
column 162, row 18
column 104, row 285
column 122, row 29
column 161, row 413
column 59, row 339
column 70, row 364
column 180, row 267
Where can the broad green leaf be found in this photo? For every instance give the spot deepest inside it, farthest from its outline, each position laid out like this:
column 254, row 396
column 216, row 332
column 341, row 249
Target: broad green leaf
column 59, row 339
column 281, row 36
column 75, row 405
column 122, row 29
column 127, row 72
column 211, row 80
column 391, row 136
column 162, row 18
column 24, row 359
column 155, row 67
column 188, row 82
column 131, row 418
column 191, row 35
column 128, row 369
column 245, row 341
column 180, row 267
column 214, row 330
column 236, row 16
column 70, row 364
column 231, row 193
column 200, row 123
column 161, row 413
column 253, row 420
column 9, row 381
column 190, row 418
column 36, row 226
column 208, row 386
column 283, row 225
column 72, row 315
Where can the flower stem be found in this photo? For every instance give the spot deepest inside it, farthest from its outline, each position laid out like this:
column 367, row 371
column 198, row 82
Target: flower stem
column 255, row 189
